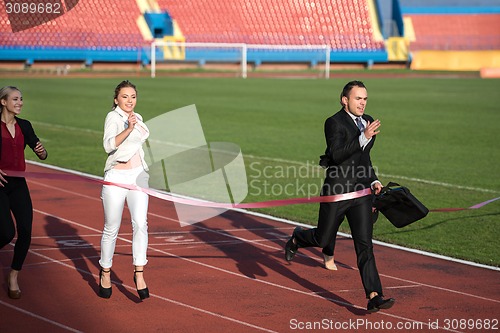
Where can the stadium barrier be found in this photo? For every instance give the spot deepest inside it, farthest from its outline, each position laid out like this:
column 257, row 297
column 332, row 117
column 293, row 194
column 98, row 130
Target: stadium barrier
column 490, row 73
column 455, row 60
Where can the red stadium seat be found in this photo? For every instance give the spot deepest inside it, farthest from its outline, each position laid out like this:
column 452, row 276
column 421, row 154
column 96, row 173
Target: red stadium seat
column 86, row 25
column 342, row 25
column 456, row 32
column 271, row 22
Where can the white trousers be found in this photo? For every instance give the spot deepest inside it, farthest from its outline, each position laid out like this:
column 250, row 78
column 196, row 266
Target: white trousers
column 113, row 200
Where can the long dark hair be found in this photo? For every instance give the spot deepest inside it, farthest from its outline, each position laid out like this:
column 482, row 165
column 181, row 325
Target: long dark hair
column 348, row 87
column 123, row 84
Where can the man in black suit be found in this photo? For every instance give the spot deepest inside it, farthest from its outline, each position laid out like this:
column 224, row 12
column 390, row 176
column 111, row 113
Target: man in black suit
column 350, row 135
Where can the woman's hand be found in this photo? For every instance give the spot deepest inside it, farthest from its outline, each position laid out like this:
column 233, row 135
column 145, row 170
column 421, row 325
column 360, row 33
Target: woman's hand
column 40, row 151
column 2, row 180
column 132, row 120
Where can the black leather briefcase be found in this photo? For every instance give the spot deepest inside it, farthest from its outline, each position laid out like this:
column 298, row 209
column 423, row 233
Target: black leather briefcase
column 399, row 206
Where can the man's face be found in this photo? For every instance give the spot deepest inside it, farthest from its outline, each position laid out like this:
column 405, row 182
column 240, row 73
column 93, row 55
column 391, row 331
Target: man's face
column 355, row 103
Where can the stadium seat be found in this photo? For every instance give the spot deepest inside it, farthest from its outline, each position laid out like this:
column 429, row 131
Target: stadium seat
column 456, row 32
column 86, row 25
column 271, row 22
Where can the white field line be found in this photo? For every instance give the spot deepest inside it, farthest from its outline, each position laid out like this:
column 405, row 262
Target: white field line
column 418, row 180
column 302, row 164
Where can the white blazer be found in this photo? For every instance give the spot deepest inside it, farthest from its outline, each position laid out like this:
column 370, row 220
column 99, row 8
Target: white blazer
column 117, row 121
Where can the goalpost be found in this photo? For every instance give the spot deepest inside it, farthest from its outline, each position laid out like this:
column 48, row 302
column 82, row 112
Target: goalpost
column 238, row 53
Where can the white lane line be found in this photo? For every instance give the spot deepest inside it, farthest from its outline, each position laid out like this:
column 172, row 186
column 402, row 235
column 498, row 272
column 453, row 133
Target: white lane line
column 34, row 315
column 62, row 262
column 346, row 304
column 308, row 226
column 387, row 276
column 362, row 290
column 354, row 268
column 133, row 288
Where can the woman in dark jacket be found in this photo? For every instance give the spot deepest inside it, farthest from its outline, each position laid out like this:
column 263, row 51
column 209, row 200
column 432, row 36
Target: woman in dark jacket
column 15, row 134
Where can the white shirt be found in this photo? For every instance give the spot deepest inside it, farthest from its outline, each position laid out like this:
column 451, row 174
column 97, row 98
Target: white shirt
column 115, row 123
column 363, row 141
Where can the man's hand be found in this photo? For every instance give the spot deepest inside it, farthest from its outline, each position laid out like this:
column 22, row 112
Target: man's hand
column 377, row 187
column 372, row 129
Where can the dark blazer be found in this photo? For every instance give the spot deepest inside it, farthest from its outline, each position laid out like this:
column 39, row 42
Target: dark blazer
column 349, row 167
column 30, row 137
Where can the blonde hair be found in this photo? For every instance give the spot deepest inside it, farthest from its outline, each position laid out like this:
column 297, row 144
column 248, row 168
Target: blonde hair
column 5, row 91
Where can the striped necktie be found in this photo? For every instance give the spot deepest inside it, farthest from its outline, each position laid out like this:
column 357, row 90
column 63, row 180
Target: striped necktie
column 360, row 124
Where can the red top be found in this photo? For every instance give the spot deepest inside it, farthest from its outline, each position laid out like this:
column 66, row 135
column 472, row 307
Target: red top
column 12, row 157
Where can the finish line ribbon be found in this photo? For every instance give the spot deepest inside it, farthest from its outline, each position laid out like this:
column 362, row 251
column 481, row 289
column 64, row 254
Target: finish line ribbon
column 202, row 203
column 196, row 202
column 477, row 206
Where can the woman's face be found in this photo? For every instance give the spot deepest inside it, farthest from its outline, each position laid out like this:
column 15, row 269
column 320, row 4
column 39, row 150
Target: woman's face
column 14, row 102
column 126, row 99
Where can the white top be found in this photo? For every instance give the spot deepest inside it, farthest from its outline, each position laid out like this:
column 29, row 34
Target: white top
column 363, row 141
column 115, row 123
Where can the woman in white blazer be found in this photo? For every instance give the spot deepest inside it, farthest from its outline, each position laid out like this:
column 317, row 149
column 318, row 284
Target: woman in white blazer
column 124, row 135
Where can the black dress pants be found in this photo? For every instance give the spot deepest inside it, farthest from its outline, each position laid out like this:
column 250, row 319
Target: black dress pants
column 359, row 215
column 15, row 198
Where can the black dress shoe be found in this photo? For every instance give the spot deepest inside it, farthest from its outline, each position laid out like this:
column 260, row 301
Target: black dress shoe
column 377, row 303
column 290, row 247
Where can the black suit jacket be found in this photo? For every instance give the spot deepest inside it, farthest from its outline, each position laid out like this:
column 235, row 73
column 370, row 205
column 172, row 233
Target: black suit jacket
column 349, row 167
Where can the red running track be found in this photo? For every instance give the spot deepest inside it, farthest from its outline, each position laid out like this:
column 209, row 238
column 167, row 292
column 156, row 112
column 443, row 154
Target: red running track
column 227, row 274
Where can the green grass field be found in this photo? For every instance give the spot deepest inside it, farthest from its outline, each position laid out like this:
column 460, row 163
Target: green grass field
column 438, row 137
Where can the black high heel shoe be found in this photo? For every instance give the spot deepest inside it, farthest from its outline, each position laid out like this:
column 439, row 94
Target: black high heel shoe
column 104, row 292
column 143, row 293
column 14, row 294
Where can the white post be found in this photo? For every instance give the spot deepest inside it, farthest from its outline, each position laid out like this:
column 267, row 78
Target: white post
column 153, row 59
column 327, row 62
column 244, row 60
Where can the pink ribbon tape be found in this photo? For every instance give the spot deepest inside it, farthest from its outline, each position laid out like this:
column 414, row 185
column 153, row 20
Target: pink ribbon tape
column 202, row 203
column 195, row 202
